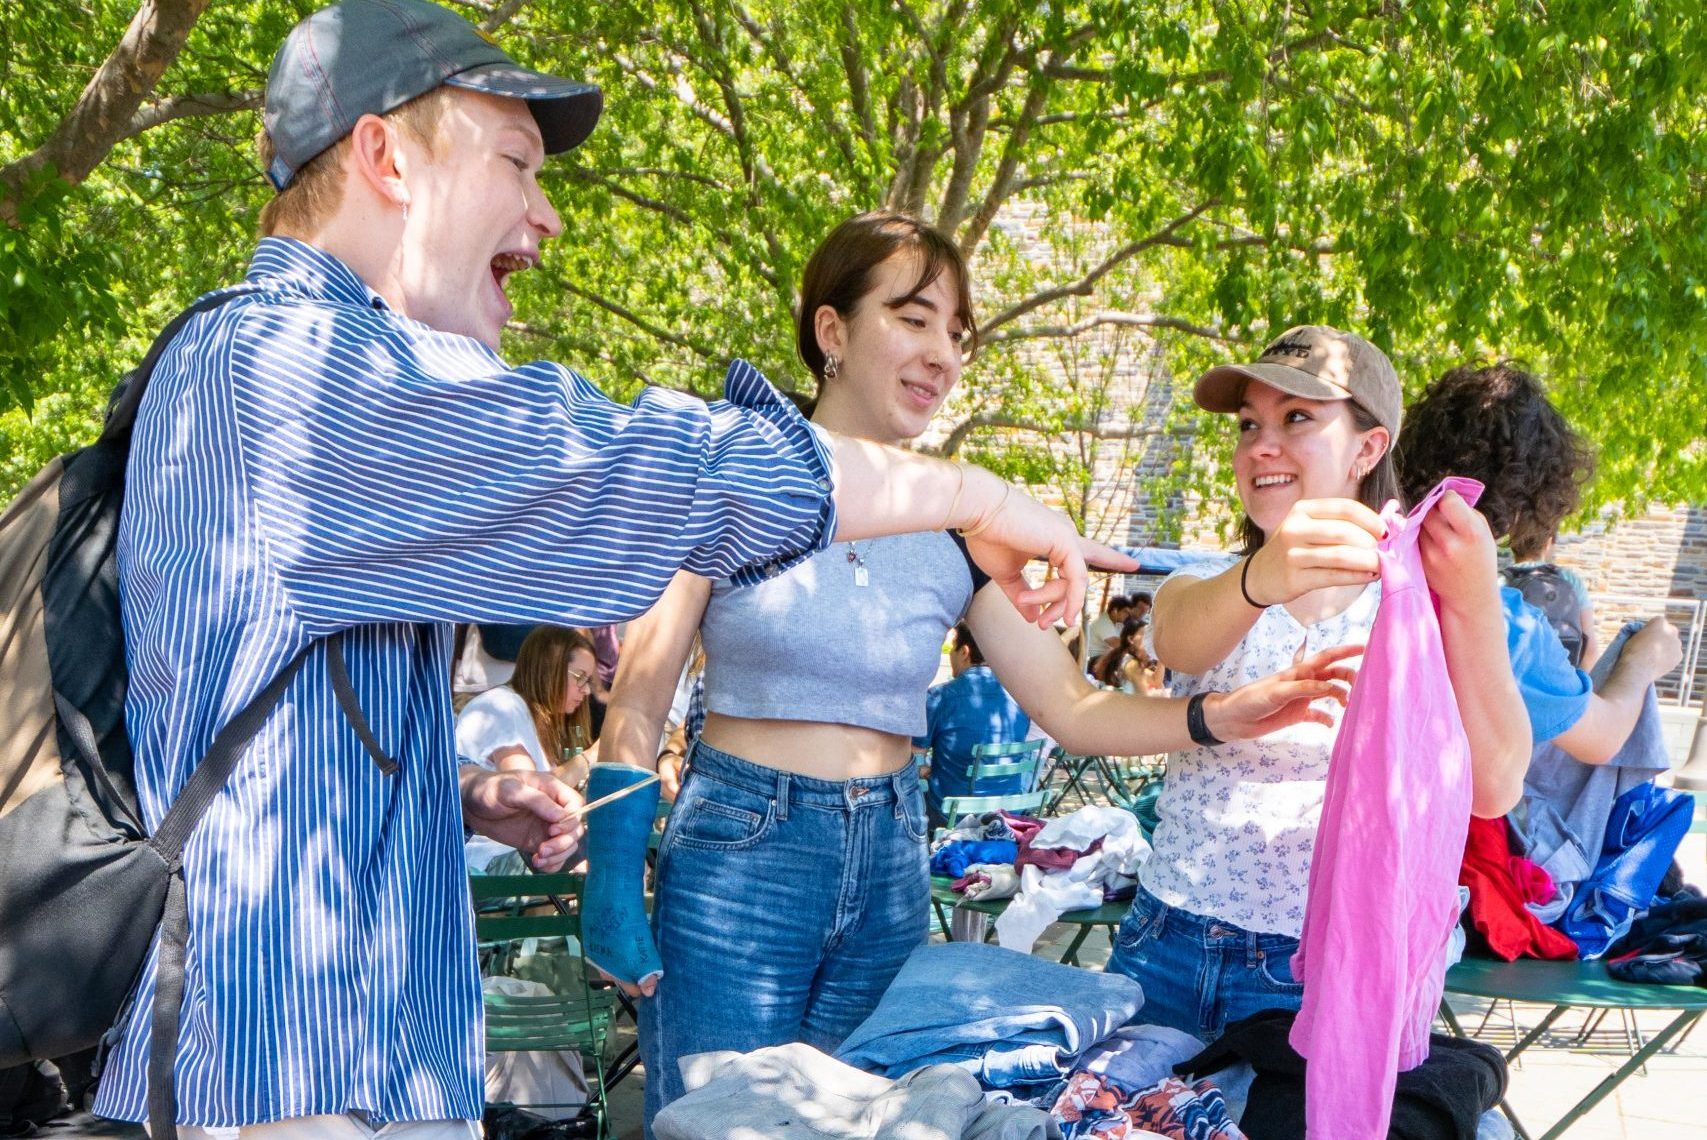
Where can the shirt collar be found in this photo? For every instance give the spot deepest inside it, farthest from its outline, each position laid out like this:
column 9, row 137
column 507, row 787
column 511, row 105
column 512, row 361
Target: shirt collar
column 295, row 266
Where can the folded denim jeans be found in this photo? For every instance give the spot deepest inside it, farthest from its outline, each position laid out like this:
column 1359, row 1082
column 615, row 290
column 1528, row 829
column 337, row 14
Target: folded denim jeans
column 1013, row 1015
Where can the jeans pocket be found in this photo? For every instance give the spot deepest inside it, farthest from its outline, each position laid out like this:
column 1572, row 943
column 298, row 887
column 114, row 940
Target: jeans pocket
column 1142, row 925
column 1274, row 968
column 910, row 810
column 733, row 820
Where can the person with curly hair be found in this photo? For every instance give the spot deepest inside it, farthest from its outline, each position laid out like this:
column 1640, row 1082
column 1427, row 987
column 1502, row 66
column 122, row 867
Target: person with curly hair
column 1495, row 424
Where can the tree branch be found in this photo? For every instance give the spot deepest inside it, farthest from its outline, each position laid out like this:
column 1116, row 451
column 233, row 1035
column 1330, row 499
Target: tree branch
column 191, row 106
column 703, row 351
column 1097, row 320
column 859, row 85
column 1086, row 284
column 770, row 42
column 103, row 112
column 501, row 14
column 969, row 119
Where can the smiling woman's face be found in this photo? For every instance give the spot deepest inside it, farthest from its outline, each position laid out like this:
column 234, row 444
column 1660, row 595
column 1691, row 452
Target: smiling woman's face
column 1291, row 448
column 900, row 353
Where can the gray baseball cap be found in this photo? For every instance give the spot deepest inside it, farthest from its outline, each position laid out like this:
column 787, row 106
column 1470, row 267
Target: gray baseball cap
column 1318, row 363
column 367, row 57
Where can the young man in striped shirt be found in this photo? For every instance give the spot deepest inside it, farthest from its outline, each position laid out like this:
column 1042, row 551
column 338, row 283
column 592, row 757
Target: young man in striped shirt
column 339, row 447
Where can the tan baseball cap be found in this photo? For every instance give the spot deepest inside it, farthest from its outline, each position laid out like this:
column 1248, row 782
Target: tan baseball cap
column 1317, row 363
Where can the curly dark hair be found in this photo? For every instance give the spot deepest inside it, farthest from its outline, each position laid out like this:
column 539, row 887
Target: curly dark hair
column 1496, row 425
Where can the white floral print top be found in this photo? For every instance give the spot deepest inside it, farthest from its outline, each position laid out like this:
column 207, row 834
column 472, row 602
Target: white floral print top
column 1238, row 821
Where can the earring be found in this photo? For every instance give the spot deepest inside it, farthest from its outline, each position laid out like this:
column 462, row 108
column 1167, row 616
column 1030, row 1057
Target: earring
column 832, row 366
column 405, row 211
column 1359, row 472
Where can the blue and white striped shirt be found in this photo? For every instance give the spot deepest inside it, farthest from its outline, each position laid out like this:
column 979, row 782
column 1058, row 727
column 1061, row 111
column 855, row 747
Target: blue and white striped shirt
column 308, row 461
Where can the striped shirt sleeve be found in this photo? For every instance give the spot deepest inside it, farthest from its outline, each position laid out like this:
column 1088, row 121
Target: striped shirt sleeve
column 400, row 474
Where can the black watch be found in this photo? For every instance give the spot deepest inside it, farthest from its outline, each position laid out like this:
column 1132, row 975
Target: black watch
column 1195, row 726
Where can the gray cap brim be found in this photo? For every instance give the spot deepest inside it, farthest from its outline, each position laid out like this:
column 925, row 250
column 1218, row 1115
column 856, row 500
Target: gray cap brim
column 566, row 111
column 1222, row 387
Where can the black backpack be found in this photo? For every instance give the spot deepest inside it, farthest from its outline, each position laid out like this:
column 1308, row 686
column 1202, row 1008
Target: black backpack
column 83, row 887
column 1543, row 587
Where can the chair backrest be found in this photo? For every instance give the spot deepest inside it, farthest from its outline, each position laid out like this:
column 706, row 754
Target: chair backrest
column 953, row 807
column 1018, row 758
column 508, row 910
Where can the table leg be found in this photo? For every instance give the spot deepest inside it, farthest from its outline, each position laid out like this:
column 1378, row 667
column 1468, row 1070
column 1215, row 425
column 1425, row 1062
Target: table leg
column 1679, row 1024
column 1534, row 1035
column 943, row 920
column 1071, row 957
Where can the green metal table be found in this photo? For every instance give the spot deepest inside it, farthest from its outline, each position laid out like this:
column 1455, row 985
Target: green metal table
column 1107, row 915
column 1564, row 986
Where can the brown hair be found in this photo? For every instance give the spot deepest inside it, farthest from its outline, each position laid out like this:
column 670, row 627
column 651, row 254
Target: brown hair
column 838, row 274
column 542, row 669
column 318, row 187
column 1374, row 490
column 1496, row 425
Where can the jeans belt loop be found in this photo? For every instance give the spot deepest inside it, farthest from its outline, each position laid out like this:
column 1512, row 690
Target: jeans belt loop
column 782, row 796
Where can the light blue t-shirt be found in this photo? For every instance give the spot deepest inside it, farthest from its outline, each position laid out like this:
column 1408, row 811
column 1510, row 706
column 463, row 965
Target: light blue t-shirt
column 853, row 635
column 1555, row 692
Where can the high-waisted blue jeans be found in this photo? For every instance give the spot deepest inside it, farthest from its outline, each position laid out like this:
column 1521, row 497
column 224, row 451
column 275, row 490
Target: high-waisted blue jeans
column 1201, row 974
column 784, row 908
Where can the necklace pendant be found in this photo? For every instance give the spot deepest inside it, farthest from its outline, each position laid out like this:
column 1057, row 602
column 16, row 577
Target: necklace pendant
column 861, row 578
column 853, row 555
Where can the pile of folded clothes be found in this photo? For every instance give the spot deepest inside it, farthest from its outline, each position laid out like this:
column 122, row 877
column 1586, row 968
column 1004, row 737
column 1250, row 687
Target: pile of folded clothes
column 1048, row 867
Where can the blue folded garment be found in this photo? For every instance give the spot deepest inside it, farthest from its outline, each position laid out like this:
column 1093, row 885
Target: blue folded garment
column 952, row 859
column 1642, row 834
column 1008, row 1017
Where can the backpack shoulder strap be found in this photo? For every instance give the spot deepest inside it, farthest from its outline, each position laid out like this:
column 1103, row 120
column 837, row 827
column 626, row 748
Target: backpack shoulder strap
column 127, row 396
column 210, row 775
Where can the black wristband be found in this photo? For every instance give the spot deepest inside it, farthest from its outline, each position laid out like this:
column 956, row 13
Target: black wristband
column 1195, row 725
column 1244, row 573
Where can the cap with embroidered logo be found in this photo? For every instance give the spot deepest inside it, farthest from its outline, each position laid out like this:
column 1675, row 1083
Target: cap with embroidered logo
column 367, row 57
column 1318, row 363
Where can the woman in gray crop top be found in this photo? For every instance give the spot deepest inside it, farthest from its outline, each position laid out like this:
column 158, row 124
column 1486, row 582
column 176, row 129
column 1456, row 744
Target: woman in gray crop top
column 792, row 880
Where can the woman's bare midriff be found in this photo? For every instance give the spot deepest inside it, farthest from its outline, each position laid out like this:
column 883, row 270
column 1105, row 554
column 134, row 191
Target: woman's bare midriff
column 808, row 748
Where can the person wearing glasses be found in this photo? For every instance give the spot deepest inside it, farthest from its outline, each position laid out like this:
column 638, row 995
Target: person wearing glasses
column 537, row 721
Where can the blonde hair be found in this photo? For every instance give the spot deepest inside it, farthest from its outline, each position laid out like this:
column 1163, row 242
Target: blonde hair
column 317, row 189
column 542, row 669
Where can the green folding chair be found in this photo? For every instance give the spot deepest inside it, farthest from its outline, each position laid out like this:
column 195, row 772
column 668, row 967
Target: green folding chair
column 510, row 910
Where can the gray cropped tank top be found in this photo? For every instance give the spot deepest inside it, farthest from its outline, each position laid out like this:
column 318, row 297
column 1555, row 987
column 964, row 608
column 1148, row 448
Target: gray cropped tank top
column 812, row 644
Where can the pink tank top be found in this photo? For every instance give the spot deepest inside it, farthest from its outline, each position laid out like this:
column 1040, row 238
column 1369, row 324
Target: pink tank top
column 1383, row 894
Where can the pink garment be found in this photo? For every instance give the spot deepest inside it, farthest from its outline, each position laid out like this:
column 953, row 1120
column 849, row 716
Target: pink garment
column 1384, row 876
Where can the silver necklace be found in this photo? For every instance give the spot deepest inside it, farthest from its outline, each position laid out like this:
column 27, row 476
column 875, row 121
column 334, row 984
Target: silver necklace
column 861, row 578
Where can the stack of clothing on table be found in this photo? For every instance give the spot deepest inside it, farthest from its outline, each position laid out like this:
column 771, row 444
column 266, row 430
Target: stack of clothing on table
column 1448, row 1097
column 1013, row 1021
column 1076, row 862
column 1587, row 850
column 978, row 842
column 794, row 1092
column 1125, row 1087
column 1048, row 867
column 1666, row 946
column 1035, row 1032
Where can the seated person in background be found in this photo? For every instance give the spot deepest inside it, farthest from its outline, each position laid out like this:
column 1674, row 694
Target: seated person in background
column 969, row 710
column 1105, row 627
column 1129, row 666
column 535, row 722
column 1496, row 425
column 1140, row 610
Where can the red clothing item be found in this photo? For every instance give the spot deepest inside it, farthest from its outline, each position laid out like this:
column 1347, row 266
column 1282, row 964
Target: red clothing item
column 1497, row 897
